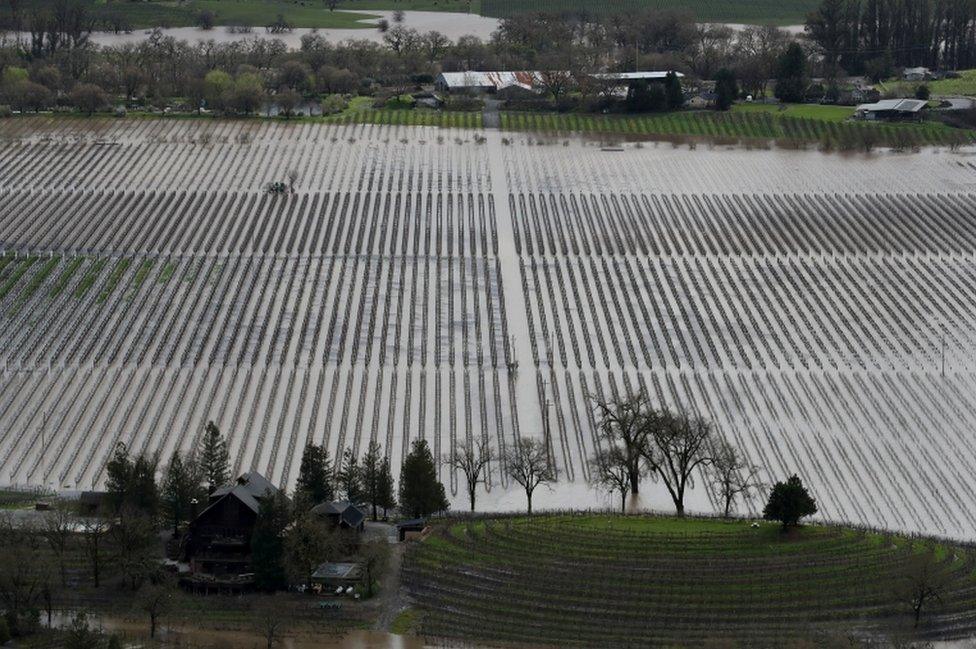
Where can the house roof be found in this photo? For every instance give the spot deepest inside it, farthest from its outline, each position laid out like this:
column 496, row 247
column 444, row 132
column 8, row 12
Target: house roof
column 897, row 105
column 249, row 489
column 647, row 75
column 489, row 79
column 346, row 512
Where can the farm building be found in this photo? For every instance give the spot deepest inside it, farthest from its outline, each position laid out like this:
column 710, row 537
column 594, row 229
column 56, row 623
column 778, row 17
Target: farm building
column 916, row 74
column 338, row 575
column 489, row 82
column 412, row 529
column 341, row 514
column 218, row 543
column 891, row 109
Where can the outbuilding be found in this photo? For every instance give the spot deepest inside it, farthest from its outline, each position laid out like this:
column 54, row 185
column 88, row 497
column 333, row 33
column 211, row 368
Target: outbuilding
column 892, row 110
column 341, row 514
column 485, row 82
column 332, row 575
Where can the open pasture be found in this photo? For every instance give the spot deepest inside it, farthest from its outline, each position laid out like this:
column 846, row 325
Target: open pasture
column 419, row 282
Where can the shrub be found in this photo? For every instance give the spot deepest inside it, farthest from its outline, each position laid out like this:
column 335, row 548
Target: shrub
column 922, row 92
column 463, row 103
column 5, row 111
column 334, row 104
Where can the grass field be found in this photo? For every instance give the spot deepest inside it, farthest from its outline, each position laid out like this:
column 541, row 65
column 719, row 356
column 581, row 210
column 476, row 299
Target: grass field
column 964, row 85
column 673, row 582
column 800, row 124
column 788, row 12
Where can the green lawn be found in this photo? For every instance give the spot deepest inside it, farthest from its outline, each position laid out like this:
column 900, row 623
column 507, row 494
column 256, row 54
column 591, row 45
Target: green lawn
column 964, row 85
column 777, row 12
column 806, row 111
column 658, row 581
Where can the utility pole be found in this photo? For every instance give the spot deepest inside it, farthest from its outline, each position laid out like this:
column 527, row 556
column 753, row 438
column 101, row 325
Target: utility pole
column 943, row 355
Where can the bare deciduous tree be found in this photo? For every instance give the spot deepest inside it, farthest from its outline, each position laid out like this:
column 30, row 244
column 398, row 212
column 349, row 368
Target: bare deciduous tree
column 93, row 531
column 155, row 600
column 472, row 460
column 924, row 582
column 678, row 444
column 527, row 463
column 268, row 620
column 57, row 527
column 622, row 426
column 608, row 472
column 732, row 475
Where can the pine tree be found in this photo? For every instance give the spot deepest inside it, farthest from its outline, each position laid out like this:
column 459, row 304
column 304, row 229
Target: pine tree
column 791, row 81
column 314, row 483
column 351, row 479
column 268, row 543
column 372, row 474
column 387, row 489
column 132, row 483
column 726, row 89
column 672, row 90
column 119, row 477
column 181, row 485
column 421, row 494
column 789, row 502
column 214, row 458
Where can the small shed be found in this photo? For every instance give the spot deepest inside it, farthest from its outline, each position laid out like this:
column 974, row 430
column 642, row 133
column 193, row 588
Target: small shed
column 916, row 74
column 91, row 503
column 331, row 575
column 891, row 109
column 411, row 530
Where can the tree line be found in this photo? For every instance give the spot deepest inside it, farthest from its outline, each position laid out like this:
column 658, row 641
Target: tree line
column 875, row 36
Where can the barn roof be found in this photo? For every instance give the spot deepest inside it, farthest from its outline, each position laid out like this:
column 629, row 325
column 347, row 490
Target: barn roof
column 897, row 105
column 645, row 75
column 489, row 79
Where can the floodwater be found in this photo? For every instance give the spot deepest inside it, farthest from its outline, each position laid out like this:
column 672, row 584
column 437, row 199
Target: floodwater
column 452, row 25
column 194, row 636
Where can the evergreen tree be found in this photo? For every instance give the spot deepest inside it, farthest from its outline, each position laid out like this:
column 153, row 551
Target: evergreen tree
column 314, row 484
column 268, row 543
column 726, row 89
column 214, row 458
column 789, row 502
column 645, row 97
column 118, row 478
column 672, row 91
column 421, row 494
column 132, row 483
column 181, row 485
column 387, row 489
column 351, row 479
column 791, row 76
column 372, row 475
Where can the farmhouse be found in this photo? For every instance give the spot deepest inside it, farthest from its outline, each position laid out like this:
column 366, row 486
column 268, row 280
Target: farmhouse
column 891, row 109
column 342, row 514
column 218, row 543
column 487, row 82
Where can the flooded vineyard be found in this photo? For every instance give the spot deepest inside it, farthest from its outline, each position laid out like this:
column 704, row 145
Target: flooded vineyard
column 422, row 282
